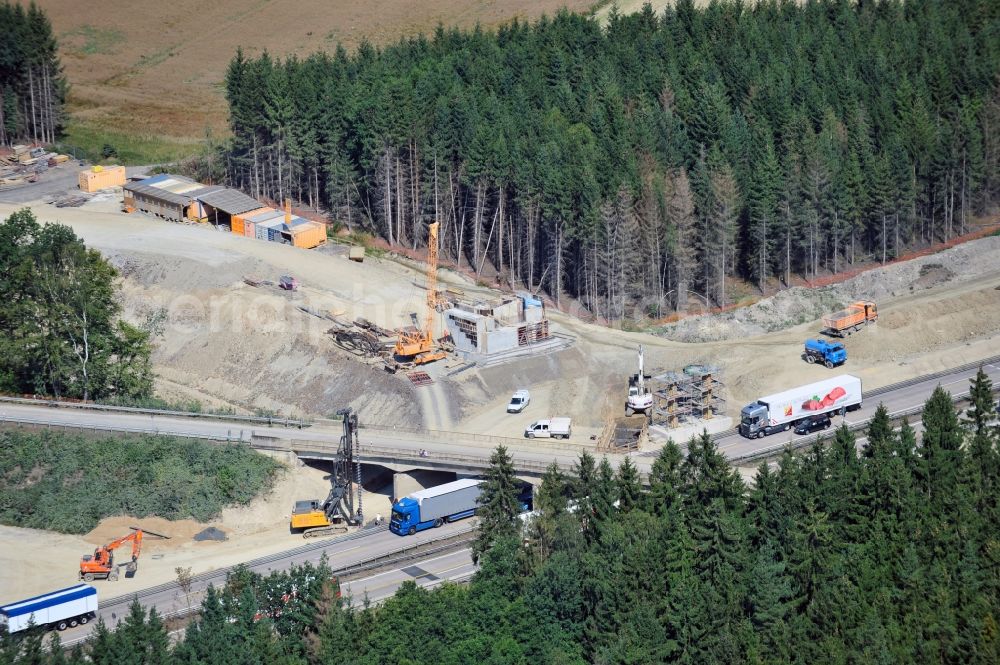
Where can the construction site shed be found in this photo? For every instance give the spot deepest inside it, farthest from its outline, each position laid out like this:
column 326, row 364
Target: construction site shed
column 101, row 177
column 222, row 204
column 161, row 195
column 303, row 233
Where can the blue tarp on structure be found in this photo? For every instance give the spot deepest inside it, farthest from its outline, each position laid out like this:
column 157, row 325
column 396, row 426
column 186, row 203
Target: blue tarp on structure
column 529, row 300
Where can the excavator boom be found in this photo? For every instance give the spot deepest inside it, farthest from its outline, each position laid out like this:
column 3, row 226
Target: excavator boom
column 102, row 564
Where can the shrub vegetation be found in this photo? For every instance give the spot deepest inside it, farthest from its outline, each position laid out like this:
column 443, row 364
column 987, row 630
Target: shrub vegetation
column 68, row 483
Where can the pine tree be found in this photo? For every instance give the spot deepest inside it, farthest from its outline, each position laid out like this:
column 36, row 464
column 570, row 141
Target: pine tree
column 629, row 489
column 665, row 478
column 497, row 505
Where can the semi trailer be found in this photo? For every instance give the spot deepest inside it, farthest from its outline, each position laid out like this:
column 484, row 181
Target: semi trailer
column 445, row 503
column 782, row 411
column 58, row 610
column 435, row 506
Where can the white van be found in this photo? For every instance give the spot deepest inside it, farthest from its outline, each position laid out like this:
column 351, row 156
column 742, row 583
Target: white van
column 556, row 428
column 519, row 401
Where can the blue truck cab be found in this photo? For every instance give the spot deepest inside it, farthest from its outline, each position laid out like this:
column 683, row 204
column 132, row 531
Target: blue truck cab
column 830, row 354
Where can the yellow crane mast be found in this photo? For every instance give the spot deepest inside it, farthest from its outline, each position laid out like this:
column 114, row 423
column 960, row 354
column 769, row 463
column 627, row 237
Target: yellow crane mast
column 418, row 345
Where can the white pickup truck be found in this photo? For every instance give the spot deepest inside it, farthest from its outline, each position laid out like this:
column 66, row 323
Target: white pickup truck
column 556, row 428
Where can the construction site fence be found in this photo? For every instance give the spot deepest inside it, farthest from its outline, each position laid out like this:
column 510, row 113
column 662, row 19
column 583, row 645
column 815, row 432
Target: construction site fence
column 827, row 280
column 463, row 437
column 302, row 448
column 241, row 436
column 92, row 406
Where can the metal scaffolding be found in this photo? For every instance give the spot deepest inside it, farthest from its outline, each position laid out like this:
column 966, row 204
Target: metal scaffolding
column 687, row 396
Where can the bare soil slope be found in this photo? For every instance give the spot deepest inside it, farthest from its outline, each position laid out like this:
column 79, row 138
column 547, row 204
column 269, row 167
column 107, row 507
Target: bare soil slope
column 159, row 67
column 226, row 342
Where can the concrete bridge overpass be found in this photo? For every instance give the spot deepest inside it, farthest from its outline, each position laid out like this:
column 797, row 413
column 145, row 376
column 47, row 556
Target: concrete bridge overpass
column 399, row 450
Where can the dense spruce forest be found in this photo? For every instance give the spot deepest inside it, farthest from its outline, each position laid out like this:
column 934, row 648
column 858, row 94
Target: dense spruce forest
column 649, row 160
column 32, row 86
column 878, row 553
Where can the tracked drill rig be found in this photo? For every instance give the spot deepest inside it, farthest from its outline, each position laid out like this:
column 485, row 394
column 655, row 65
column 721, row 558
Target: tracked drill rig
column 342, row 506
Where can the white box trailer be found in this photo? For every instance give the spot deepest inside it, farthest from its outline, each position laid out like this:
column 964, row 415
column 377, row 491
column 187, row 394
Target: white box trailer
column 779, row 412
column 434, row 506
column 59, row 609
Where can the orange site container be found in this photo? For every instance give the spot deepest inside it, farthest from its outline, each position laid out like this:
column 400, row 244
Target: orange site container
column 308, row 234
column 101, row 178
column 238, row 222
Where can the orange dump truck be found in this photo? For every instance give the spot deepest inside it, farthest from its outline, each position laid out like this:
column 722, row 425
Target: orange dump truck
column 851, row 319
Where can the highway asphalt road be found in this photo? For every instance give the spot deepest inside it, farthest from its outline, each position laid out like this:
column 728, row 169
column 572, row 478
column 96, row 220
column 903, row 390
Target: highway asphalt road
column 454, row 566
column 341, row 552
column 901, row 399
column 456, row 450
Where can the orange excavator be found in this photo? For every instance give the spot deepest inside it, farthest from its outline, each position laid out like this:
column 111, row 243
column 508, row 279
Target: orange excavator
column 101, row 566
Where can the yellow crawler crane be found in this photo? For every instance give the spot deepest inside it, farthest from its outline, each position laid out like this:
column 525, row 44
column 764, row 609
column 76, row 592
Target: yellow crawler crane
column 418, row 346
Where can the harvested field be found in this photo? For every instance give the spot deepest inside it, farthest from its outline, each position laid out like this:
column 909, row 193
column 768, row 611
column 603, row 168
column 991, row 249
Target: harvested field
column 160, row 69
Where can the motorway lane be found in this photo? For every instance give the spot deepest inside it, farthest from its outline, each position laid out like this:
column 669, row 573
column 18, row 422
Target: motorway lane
column 341, row 552
column 405, row 445
column 905, row 398
column 427, row 573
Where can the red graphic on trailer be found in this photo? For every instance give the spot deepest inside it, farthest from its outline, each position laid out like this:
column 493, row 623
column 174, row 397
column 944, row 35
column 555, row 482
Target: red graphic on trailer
column 817, row 404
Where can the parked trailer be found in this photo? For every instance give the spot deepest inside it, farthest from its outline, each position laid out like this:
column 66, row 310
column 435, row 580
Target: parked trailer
column 57, row 610
column 781, row 411
column 435, row 506
column 851, row 319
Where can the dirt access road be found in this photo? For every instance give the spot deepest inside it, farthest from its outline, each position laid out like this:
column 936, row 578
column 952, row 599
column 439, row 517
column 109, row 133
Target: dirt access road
column 228, row 343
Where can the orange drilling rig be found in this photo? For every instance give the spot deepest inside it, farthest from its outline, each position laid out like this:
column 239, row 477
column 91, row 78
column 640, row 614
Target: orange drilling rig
column 418, row 346
column 101, row 566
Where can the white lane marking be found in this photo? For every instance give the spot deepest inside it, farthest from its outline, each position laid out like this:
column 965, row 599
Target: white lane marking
column 420, row 563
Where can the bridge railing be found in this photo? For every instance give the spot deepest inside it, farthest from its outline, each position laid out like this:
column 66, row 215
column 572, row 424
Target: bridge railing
column 91, row 406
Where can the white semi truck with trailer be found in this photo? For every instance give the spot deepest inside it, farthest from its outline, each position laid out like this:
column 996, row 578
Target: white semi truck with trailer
column 62, row 609
column 782, row 411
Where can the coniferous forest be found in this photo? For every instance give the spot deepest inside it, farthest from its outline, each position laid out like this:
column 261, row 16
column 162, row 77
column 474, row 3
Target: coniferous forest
column 32, row 87
column 650, row 161
column 881, row 550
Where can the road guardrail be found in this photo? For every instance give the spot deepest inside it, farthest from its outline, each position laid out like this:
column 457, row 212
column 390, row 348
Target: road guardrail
column 91, row 406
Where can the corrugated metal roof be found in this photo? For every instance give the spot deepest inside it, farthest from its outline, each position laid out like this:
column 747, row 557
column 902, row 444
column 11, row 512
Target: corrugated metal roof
column 228, row 200
column 155, row 192
column 265, row 216
column 203, row 190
